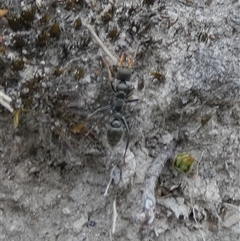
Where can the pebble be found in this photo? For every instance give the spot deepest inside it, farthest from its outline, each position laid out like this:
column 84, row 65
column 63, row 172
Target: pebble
column 66, row 211
column 77, row 225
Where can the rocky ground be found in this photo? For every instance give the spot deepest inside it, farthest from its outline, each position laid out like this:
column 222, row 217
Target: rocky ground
column 55, row 166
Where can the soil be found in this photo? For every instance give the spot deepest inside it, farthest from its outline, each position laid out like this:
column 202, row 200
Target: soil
column 56, row 165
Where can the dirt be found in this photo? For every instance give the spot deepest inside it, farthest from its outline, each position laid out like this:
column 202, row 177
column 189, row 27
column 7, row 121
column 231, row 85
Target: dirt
column 55, row 166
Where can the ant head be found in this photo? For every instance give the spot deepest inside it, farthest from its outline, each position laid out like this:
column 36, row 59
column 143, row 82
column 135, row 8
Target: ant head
column 124, row 68
column 125, row 61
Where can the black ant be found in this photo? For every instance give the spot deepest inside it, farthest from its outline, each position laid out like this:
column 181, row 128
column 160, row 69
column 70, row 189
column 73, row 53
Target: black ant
column 123, row 73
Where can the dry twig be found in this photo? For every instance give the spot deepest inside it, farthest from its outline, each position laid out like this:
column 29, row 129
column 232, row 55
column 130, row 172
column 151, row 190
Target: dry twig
column 153, row 173
column 108, row 8
column 114, row 216
column 101, row 44
column 195, row 219
column 5, row 101
column 110, row 181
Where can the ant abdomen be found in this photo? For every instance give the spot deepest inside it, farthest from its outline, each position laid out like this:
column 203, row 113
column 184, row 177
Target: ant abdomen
column 114, row 133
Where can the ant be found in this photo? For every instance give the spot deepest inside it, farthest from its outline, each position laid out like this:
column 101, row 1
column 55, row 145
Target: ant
column 122, row 91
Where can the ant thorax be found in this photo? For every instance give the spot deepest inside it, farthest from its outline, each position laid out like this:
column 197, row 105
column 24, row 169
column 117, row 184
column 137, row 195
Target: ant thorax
column 118, row 105
column 121, row 88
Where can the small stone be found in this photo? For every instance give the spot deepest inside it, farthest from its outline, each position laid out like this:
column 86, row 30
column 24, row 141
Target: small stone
column 231, row 219
column 134, row 29
column 77, row 226
column 66, row 211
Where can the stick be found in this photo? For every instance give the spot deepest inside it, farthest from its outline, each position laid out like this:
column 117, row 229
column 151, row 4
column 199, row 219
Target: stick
column 110, row 180
column 72, row 60
column 114, row 216
column 101, row 44
column 108, row 8
column 153, row 173
column 5, row 101
column 195, row 219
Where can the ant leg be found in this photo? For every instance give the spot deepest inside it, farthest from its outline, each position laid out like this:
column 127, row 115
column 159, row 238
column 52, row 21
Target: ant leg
column 109, row 74
column 113, row 88
column 129, row 61
column 92, row 128
column 129, row 95
column 127, row 144
column 130, row 92
column 124, row 156
column 129, row 101
column 108, row 69
column 121, row 60
column 107, row 107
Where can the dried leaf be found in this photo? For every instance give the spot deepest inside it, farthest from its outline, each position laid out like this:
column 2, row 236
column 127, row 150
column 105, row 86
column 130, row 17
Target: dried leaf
column 79, row 128
column 16, row 117
column 160, row 77
column 3, row 12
